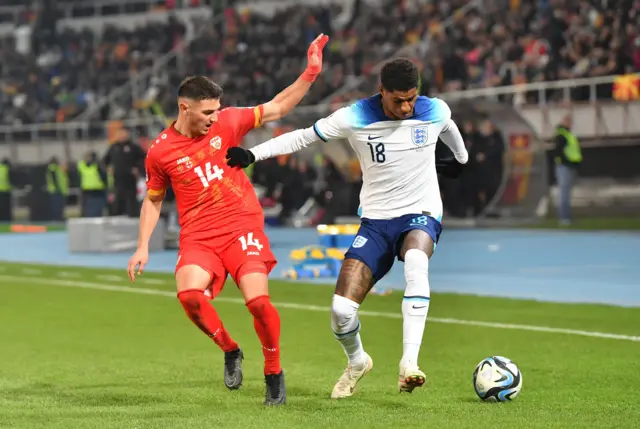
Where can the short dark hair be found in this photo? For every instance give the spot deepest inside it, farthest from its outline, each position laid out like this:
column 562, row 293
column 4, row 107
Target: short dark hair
column 399, row 75
column 199, row 88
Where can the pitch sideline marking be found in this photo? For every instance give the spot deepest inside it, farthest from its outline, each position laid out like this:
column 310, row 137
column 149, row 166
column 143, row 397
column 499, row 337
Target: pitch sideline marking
column 308, row 307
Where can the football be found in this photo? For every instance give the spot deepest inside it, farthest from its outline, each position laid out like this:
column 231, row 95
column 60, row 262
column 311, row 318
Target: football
column 497, row 379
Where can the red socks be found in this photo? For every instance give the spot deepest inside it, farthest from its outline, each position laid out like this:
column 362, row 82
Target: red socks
column 205, row 317
column 266, row 321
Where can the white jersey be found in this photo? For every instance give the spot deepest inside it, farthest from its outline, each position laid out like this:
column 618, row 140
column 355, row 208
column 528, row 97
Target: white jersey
column 397, row 157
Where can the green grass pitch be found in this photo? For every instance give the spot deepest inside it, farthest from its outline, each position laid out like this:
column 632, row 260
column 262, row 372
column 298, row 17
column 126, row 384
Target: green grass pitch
column 78, row 351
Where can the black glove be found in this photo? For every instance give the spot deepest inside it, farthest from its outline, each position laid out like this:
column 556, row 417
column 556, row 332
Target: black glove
column 450, row 168
column 239, row 157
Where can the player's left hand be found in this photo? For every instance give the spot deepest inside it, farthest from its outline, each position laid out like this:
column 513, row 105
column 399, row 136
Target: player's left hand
column 449, row 167
column 314, row 58
column 239, row 157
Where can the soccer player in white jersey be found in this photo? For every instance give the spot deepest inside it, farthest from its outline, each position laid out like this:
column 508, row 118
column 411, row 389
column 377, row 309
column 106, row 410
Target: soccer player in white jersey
column 394, row 135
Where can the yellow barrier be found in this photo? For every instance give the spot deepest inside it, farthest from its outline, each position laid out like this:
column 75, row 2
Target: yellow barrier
column 347, row 229
column 316, row 252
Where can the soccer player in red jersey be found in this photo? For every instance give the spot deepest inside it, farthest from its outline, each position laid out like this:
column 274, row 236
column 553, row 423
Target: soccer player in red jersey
column 221, row 220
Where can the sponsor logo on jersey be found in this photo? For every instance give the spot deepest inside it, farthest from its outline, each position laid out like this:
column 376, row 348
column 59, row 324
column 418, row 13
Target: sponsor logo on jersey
column 186, row 161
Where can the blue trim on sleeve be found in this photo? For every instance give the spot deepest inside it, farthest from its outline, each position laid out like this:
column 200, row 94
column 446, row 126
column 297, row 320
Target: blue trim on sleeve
column 319, row 134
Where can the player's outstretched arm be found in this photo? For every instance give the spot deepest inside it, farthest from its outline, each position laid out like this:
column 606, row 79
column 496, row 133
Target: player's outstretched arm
column 282, row 145
column 291, row 96
column 337, row 125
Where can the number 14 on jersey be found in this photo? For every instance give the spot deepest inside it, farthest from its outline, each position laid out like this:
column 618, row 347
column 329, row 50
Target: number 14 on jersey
column 209, row 174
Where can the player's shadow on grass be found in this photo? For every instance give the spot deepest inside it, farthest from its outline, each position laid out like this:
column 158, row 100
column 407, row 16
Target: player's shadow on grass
column 108, row 394
column 185, row 384
column 81, row 396
column 206, row 393
column 478, row 401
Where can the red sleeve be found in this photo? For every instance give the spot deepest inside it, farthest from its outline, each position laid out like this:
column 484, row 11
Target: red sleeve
column 242, row 119
column 157, row 179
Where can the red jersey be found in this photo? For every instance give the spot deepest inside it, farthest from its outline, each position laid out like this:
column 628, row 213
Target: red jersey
column 213, row 199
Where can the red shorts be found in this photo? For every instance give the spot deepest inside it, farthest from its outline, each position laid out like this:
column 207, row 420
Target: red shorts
column 226, row 255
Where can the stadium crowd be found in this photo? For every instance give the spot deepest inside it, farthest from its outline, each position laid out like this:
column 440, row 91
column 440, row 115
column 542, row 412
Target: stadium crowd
column 509, row 42
column 56, row 79
column 254, row 55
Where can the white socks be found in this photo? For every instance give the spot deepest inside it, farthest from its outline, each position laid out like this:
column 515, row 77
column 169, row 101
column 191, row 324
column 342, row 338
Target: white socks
column 415, row 305
column 346, row 328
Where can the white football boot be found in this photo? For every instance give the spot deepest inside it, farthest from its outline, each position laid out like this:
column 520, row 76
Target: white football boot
column 346, row 385
column 410, row 378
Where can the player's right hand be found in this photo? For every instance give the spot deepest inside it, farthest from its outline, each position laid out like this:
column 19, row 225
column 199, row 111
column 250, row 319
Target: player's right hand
column 137, row 263
column 314, row 58
column 239, row 157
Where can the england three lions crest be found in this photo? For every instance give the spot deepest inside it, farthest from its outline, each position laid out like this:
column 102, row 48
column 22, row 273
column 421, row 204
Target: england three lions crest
column 419, row 135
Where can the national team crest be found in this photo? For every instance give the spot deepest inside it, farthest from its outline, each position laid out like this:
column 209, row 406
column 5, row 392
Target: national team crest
column 359, row 241
column 216, row 142
column 419, row 135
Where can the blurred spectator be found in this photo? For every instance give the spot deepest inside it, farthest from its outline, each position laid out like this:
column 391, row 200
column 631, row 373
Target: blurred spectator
column 509, row 42
column 467, row 187
column 521, row 42
column 253, row 55
column 462, row 194
column 469, row 194
column 57, row 182
column 68, row 76
column 309, row 177
column 568, row 157
column 266, row 174
column 292, row 190
column 338, row 193
column 125, row 160
column 6, row 185
column 489, row 161
column 93, row 186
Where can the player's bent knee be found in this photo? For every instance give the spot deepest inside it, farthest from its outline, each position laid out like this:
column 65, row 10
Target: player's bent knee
column 416, row 259
column 344, row 316
column 190, row 299
column 193, row 277
column 260, row 306
column 252, row 279
column 416, row 272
